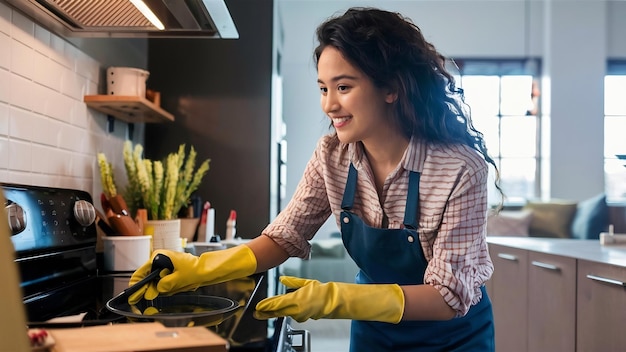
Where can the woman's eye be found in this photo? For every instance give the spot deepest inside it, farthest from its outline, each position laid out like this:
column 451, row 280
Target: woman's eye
column 323, row 89
column 342, row 88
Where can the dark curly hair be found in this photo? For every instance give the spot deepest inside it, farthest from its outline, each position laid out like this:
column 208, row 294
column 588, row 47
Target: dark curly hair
column 391, row 50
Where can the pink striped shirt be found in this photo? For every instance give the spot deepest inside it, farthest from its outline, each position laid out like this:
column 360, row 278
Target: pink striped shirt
column 452, row 214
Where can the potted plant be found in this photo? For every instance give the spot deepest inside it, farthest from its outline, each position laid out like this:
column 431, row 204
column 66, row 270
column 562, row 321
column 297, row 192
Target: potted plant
column 161, row 187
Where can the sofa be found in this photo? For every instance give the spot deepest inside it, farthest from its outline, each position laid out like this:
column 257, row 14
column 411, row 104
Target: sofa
column 558, row 218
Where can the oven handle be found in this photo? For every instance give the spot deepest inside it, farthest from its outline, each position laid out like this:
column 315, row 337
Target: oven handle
column 306, row 340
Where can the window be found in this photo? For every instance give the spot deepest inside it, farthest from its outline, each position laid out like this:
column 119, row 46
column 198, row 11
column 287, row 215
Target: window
column 615, row 132
column 503, row 96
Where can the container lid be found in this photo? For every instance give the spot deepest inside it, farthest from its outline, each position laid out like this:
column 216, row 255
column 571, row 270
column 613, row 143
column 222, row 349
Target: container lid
column 124, row 238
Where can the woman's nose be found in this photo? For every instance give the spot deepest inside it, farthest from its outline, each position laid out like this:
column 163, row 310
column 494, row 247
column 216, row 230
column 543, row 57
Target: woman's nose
column 330, row 103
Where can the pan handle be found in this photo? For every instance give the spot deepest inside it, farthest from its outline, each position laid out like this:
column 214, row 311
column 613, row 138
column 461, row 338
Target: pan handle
column 160, row 262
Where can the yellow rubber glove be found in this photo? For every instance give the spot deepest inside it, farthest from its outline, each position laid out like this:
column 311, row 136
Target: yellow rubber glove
column 191, row 272
column 334, row 300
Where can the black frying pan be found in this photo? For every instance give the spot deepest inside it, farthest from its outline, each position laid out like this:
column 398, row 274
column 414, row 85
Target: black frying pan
column 179, row 310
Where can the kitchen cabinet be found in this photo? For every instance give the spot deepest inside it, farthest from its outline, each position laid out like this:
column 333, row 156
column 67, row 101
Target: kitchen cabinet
column 131, row 109
column 558, row 295
column 600, row 307
column 551, row 302
column 509, row 297
column 534, row 299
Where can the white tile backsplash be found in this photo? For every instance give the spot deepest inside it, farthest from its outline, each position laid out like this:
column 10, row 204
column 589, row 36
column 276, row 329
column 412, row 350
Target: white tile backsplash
column 20, row 156
column 4, row 155
column 73, row 85
column 5, row 53
column 48, row 136
column 4, row 119
column 43, row 36
column 45, row 96
column 48, row 72
column 21, row 124
column 87, row 67
column 5, row 85
column 23, row 29
column 22, row 59
column 5, row 19
column 73, row 138
column 20, row 94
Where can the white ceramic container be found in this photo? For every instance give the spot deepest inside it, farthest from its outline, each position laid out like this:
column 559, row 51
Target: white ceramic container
column 126, row 81
column 126, row 253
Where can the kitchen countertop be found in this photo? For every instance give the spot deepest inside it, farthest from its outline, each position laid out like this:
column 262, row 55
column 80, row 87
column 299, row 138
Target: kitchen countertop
column 137, row 337
column 590, row 250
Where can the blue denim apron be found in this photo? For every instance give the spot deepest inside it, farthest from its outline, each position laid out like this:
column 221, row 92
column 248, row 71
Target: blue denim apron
column 396, row 256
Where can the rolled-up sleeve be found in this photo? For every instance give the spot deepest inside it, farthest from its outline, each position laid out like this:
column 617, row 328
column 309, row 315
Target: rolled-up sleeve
column 460, row 261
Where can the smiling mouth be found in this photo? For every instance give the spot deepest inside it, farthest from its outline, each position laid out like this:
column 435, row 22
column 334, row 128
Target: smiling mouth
column 340, row 121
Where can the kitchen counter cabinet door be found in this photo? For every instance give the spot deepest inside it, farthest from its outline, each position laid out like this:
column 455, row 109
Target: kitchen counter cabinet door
column 551, row 302
column 510, row 304
column 601, row 307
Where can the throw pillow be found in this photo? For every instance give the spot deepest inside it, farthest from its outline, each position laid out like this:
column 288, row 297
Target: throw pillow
column 551, row 219
column 509, row 223
column 328, row 248
column 592, row 217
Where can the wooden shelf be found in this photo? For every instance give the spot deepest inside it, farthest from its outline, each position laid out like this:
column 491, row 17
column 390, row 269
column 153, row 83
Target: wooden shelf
column 131, row 109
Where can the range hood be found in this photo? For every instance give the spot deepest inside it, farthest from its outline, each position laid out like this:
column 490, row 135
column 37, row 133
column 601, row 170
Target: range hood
column 122, row 19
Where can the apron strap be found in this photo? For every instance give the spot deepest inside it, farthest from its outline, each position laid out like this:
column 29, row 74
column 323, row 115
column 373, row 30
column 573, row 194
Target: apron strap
column 411, row 210
column 348, row 193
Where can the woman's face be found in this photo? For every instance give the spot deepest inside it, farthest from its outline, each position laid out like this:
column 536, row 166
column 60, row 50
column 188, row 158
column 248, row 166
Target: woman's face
column 357, row 108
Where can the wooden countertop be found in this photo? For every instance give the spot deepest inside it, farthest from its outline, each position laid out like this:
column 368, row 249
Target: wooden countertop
column 590, row 250
column 136, row 337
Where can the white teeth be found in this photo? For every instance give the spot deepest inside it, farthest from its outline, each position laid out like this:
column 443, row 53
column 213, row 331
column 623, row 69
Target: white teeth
column 340, row 119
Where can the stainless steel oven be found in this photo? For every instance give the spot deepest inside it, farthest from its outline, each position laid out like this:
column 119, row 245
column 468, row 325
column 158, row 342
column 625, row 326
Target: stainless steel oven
column 54, row 235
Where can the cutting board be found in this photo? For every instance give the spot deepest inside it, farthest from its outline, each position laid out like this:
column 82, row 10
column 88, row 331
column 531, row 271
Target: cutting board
column 137, row 337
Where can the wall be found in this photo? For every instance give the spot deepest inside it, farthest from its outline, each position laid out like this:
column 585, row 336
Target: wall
column 48, row 136
column 480, row 29
column 221, row 94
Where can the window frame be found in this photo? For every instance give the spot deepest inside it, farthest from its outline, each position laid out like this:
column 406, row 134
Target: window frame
column 504, row 67
column 614, row 67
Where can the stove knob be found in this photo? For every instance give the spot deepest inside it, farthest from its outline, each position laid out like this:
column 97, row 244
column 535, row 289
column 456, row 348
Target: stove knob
column 16, row 217
column 84, row 212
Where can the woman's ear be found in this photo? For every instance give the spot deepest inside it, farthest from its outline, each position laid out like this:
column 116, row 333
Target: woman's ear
column 391, row 97
column 391, row 93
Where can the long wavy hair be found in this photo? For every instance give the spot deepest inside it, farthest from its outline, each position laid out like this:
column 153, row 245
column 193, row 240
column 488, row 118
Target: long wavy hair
column 391, row 50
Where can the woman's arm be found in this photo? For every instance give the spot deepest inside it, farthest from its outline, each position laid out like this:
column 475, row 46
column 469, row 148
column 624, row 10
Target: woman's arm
column 424, row 302
column 267, row 252
column 460, row 262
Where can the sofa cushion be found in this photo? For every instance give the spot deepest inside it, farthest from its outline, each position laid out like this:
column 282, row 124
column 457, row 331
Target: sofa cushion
column 551, row 218
column 328, row 248
column 592, row 217
column 509, row 222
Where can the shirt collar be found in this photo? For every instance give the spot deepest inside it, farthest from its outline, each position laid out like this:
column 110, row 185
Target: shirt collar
column 412, row 160
column 356, row 153
column 415, row 155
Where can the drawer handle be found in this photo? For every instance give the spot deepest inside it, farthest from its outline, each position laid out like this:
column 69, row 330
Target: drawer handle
column 606, row 280
column 505, row 256
column 546, row 266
